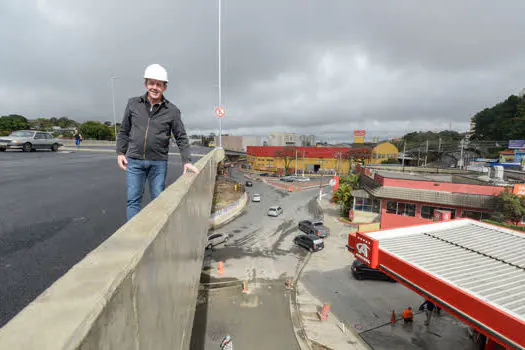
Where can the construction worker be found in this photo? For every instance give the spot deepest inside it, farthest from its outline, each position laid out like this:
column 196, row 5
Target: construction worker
column 227, row 343
column 144, row 138
column 429, row 307
column 408, row 316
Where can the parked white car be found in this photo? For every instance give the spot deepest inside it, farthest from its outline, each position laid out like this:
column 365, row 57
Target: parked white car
column 302, row 179
column 275, row 211
column 256, row 197
column 216, row 239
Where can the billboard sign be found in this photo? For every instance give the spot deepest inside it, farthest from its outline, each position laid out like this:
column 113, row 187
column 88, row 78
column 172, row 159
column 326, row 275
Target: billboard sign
column 513, row 144
column 359, row 133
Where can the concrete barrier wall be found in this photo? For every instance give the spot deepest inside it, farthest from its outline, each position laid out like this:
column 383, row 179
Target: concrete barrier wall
column 138, row 289
column 224, row 215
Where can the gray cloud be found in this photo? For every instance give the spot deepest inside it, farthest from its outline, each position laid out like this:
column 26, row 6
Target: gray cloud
column 301, row 65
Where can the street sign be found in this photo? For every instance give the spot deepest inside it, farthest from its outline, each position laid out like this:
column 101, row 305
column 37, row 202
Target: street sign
column 219, row 111
column 332, row 182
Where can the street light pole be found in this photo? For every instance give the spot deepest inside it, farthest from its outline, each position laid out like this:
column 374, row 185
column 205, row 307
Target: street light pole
column 220, row 76
column 114, row 113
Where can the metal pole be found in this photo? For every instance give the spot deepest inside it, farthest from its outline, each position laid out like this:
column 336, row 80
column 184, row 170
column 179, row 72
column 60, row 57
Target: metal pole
column 461, row 156
column 220, row 77
column 418, row 153
column 439, row 154
column 404, row 150
column 426, row 155
column 113, row 98
column 295, row 162
column 303, row 164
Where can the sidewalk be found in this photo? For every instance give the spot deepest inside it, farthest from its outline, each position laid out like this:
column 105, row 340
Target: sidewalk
column 329, row 334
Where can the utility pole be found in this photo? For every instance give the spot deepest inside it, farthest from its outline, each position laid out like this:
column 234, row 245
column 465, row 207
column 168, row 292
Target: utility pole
column 426, row 155
column 461, row 155
column 439, row 154
column 418, row 153
column 321, row 182
column 114, row 113
column 404, row 152
column 303, row 164
column 296, row 162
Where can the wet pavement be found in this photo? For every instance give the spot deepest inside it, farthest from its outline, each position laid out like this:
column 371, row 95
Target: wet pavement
column 260, row 251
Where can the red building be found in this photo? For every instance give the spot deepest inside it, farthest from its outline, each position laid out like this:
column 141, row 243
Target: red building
column 400, row 199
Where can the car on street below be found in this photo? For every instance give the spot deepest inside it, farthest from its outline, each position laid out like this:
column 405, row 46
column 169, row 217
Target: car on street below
column 248, row 184
column 310, row 242
column 256, row 197
column 287, row 179
column 275, row 211
column 264, row 174
column 216, row 239
column 362, row 271
column 316, row 228
column 302, row 179
column 29, row 140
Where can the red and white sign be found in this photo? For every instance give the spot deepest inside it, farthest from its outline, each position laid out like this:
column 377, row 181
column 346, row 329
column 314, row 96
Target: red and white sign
column 367, row 249
column 336, row 185
column 220, row 112
column 519, row 189
column 359, row 132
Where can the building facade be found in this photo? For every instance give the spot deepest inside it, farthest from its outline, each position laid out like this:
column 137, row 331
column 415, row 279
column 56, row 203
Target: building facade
column 307, row 160
column 399, row 199
column 281, row 139
column 239, row 143
column 307, row 140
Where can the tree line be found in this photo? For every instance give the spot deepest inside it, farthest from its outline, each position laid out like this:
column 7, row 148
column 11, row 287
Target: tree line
column 60, row 127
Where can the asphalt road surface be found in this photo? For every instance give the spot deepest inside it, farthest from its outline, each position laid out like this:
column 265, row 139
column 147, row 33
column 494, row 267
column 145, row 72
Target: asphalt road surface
column 54, row 209
column 261, row 252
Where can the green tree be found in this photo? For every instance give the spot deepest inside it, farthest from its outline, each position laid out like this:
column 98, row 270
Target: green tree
column 343, row 194
column 13, row 122
column 503, row 121
column 96, row 131
column 511, row 206
column 287, row 155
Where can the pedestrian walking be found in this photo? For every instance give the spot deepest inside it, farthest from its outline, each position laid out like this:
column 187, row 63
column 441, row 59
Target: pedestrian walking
column 429, row 307
column 143, row 140
column 227, row 343
column 78, row 138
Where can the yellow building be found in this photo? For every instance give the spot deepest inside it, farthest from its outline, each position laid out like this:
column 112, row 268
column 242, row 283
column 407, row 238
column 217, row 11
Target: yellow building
column 307, row 159
column 384, row 151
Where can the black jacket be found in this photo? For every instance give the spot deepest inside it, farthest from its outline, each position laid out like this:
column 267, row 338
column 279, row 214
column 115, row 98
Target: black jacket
column 145, row 130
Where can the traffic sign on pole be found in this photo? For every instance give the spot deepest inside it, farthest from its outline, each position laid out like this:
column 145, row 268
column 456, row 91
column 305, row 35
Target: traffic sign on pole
column 219, row 111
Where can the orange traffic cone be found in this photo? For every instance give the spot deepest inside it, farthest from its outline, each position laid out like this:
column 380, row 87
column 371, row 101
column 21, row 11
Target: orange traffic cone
column 220, row 268
column 245, row 286
column 393, row 319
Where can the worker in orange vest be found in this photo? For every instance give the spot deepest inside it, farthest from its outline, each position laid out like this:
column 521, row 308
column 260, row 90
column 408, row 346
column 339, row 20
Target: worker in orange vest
column 408, row 316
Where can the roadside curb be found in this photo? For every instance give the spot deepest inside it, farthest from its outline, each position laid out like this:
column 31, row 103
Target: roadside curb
column 295, row 312
column 236, row 213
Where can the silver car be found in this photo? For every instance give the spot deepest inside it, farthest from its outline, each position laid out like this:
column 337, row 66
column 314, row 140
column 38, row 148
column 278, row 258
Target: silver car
column 28, row 140
column 216, row 239
column 275, row 211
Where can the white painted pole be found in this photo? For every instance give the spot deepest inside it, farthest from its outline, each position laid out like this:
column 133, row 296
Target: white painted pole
column 114, row 113
column 220, row 76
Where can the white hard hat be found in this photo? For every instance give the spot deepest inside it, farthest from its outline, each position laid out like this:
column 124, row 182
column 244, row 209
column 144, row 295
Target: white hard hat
column 157, row 72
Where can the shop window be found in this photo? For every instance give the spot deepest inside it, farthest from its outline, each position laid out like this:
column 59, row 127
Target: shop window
column 427, row 211
column 368, row 205
column 401, row 208
column 476, row 215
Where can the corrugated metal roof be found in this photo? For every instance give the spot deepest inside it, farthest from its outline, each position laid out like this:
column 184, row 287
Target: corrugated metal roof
column 309, row 152
column 475, row 201
column 483, row 260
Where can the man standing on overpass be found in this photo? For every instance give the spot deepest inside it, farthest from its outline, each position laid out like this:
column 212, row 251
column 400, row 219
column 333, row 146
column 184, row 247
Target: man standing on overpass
column 144, row 138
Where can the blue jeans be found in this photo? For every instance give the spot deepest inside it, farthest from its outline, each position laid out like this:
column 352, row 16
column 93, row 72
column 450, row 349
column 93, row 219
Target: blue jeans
column 137, row 172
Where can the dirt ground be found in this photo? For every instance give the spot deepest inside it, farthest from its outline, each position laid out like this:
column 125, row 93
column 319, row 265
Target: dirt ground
column 225, row 194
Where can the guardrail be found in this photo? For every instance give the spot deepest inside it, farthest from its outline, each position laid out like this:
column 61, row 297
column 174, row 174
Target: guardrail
column 138, row 289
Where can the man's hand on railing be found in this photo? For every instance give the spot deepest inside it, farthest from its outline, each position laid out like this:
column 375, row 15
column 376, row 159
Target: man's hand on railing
column 190, row 167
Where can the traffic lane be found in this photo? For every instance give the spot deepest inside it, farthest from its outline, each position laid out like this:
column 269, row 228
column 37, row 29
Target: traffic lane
column 55, row 208
column 362, row 304
column 254, row 320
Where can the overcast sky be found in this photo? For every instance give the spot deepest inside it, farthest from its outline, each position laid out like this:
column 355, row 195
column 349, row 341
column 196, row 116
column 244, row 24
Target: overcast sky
column 307, row 66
